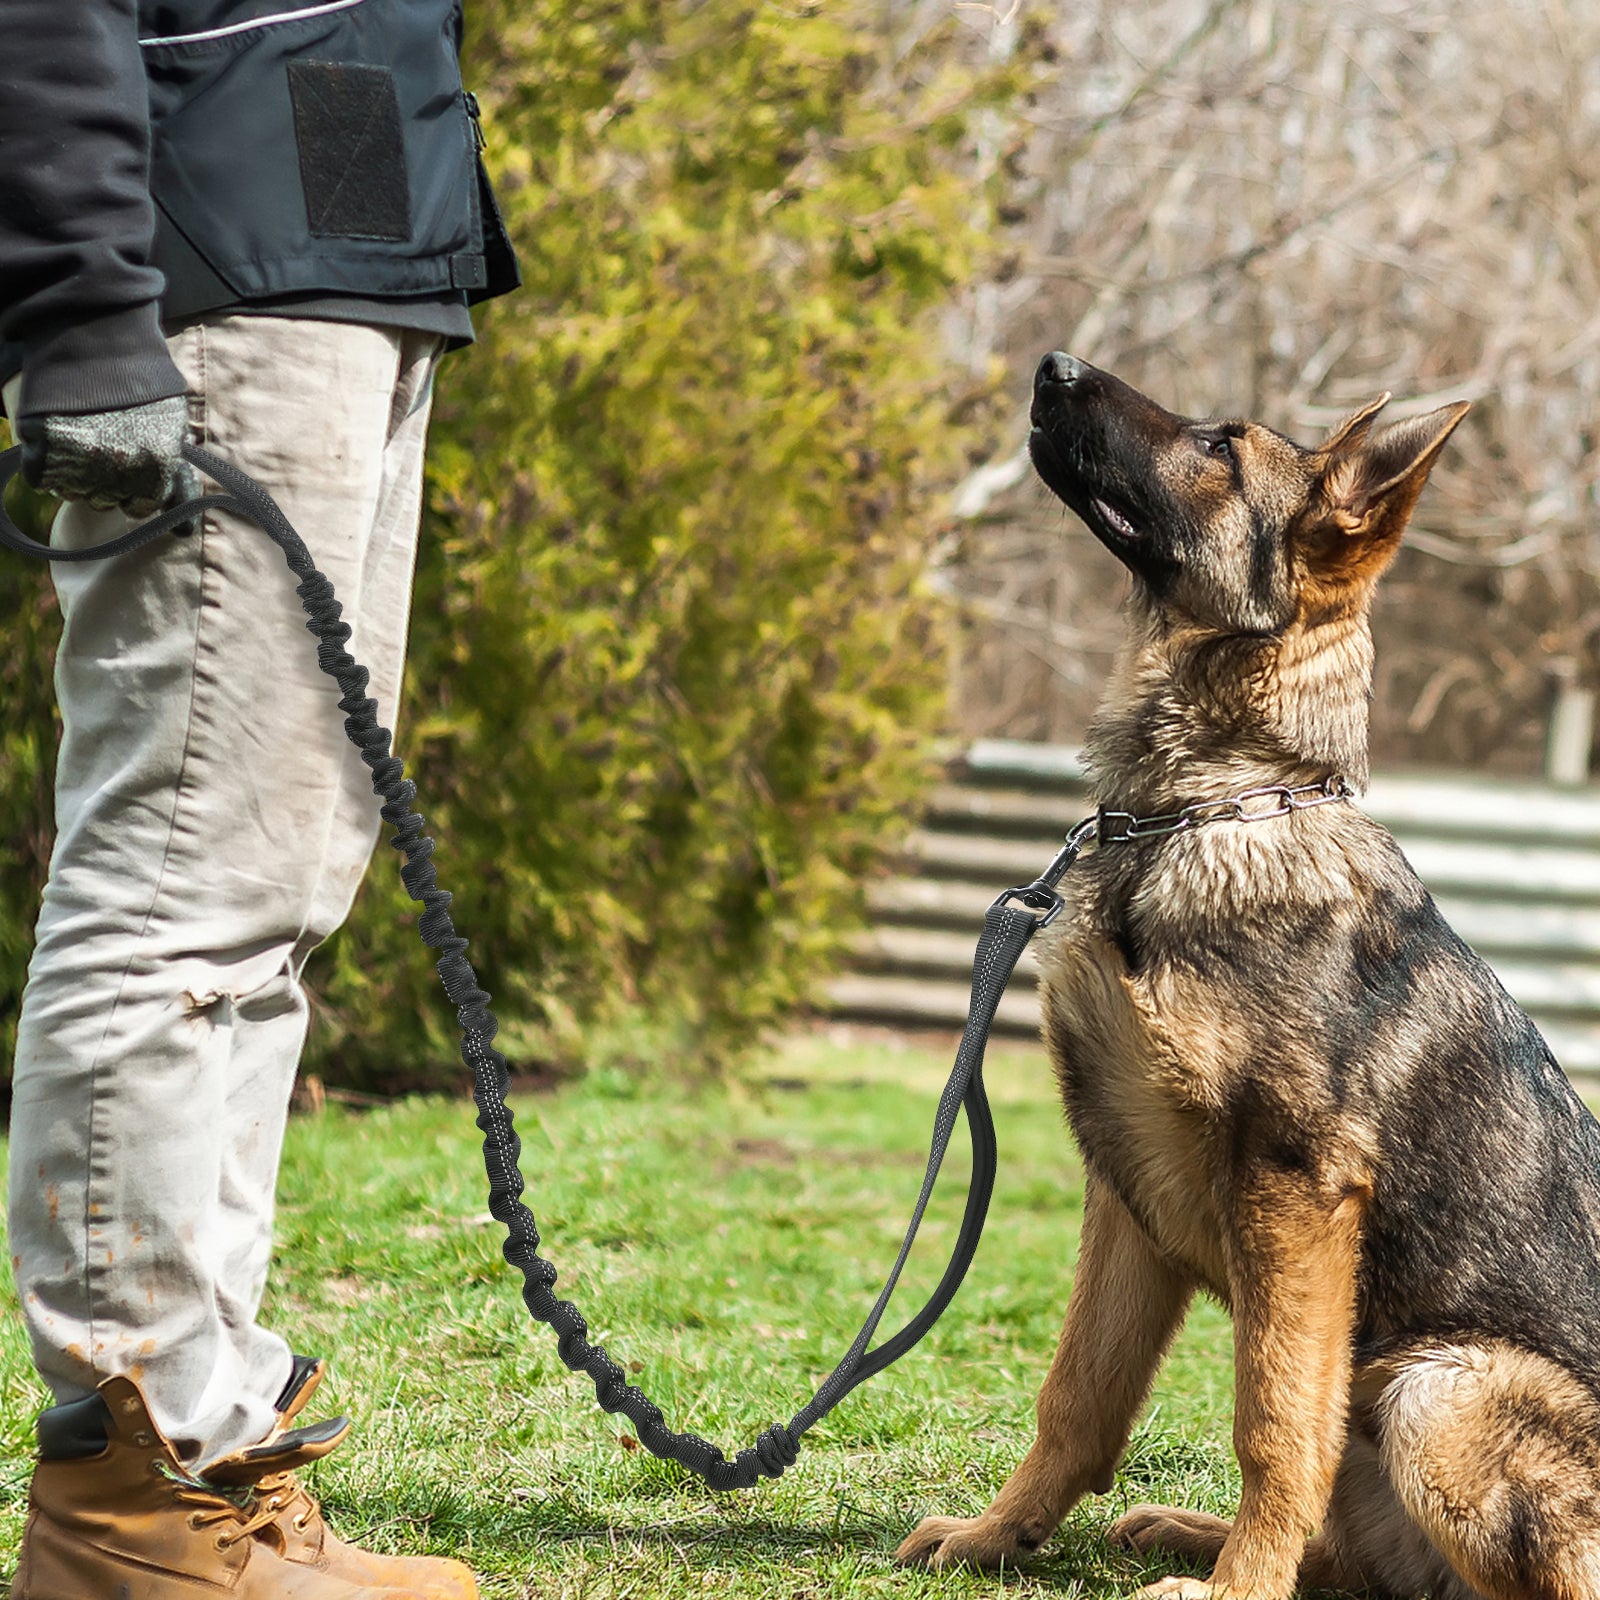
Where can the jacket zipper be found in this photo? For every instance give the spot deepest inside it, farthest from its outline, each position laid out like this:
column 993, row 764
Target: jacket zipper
column 479, row 143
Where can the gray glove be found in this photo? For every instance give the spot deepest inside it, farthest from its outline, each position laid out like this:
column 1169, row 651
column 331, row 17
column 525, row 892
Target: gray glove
column 132, row 458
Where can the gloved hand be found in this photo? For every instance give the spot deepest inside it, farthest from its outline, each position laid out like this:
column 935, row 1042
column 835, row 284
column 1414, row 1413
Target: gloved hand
column 132, row 458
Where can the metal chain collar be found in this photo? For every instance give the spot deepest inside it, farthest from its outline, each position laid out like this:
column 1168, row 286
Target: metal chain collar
column 1116, row 827
column 1122, row 827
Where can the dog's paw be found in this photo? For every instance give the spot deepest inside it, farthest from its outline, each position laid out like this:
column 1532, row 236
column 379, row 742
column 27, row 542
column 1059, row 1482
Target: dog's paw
column 964, row 1541
column 1139, row 1529
column 1178, row 1589
column 1191, row 1534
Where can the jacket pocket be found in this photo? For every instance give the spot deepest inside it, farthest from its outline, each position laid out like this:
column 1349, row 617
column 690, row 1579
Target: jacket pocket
column 326, row 149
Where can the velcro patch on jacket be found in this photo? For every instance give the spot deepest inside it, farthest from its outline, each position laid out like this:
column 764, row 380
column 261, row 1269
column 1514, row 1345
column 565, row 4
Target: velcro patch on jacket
column 352, row 152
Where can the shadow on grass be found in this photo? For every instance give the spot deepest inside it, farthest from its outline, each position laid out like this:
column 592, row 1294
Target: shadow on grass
column 1073, row 1564
column 1077, row 1561
column 531, row 1537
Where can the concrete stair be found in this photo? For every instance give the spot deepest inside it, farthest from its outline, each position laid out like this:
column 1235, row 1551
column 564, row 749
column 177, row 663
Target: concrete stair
column 1515, row 868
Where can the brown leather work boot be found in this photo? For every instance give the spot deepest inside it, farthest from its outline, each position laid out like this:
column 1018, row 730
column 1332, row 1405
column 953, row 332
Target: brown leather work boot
column 113, row 1514
column 296, row 1528
column 301, row 1536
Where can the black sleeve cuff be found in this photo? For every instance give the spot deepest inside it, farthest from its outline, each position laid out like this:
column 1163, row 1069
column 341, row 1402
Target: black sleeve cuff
column 102, row 364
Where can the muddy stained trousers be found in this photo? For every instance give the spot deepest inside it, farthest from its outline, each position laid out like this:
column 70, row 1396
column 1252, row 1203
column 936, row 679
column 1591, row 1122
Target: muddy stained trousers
column 213, row 825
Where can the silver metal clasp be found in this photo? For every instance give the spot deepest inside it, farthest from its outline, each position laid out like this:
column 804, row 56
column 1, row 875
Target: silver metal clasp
column 1040, row 895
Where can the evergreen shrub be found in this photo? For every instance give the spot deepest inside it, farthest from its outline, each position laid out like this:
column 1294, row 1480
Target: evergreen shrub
column 675, row 673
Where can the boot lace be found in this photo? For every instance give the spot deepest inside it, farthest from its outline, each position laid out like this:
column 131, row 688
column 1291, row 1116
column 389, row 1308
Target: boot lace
column 282, row 1493
column 247, row 1514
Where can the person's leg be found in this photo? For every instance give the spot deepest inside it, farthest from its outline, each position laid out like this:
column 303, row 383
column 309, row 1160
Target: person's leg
column 374, row 590
column 212, row 824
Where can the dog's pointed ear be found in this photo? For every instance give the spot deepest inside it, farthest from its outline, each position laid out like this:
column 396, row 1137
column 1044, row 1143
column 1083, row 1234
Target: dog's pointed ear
column 1370, row 485
column 1351, row 434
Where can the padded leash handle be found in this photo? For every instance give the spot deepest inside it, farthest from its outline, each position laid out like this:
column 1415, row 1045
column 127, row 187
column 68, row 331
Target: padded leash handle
column 1006, row 932
column 13, row 538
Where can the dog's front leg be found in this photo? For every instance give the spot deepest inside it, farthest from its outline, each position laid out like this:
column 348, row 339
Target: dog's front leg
column 1294, row 1295
column 1126, row 1303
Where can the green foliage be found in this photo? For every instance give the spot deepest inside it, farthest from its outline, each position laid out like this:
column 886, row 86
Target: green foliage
column 29, row 731
column 674, row 669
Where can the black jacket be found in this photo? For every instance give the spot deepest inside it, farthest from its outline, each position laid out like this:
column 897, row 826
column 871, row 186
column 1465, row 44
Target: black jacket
column 164, row 157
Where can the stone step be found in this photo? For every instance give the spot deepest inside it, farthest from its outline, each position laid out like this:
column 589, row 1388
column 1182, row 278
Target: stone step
column 975, row 800
column 1550, row 988
column 1493, row 928
column 1558, row 874
column 929, row 1003
column 939, row 1004
column 925, row 952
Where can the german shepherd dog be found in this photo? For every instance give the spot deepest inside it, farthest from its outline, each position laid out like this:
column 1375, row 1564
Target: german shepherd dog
column 1294, row 1087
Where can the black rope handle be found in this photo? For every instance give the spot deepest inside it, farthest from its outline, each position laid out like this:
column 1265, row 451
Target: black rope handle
column 1006, row 932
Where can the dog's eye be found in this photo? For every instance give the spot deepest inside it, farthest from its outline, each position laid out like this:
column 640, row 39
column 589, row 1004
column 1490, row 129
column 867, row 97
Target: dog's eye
column 1221, row 448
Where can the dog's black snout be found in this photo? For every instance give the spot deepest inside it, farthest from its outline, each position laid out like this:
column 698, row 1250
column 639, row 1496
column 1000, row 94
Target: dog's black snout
column 1058, row 370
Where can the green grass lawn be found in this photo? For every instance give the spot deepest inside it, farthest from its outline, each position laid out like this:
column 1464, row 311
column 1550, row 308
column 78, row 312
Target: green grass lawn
column 725, row 1243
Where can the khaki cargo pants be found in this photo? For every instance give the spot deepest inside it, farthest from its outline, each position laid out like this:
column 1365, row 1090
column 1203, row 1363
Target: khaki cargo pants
column 212, row 827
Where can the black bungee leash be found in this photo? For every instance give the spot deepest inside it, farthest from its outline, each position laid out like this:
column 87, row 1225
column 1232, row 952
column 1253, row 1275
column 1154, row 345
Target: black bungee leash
column 1006, row 931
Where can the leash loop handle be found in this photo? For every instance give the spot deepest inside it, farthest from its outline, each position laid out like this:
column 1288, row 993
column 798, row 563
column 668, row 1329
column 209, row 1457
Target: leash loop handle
column 175, row 519
column 1006, row 932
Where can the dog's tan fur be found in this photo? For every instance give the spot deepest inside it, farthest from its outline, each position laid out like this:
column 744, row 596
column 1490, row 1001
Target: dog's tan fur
column 1256, row 1122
